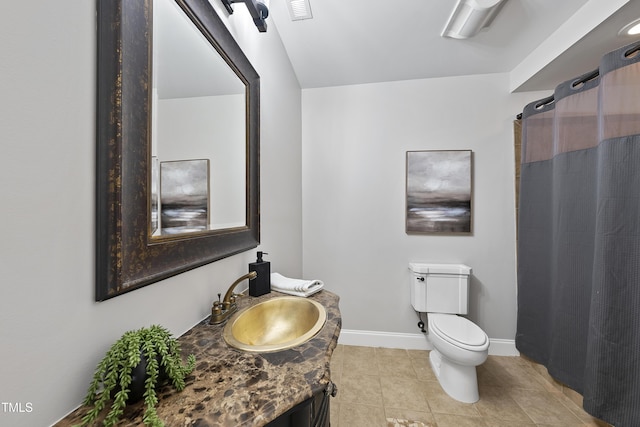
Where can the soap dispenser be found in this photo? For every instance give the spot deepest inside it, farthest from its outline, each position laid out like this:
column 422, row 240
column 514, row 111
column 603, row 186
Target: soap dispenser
column 262, row 284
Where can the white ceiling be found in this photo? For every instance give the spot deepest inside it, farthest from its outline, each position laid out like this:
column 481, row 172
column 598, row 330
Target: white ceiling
column 540, row 42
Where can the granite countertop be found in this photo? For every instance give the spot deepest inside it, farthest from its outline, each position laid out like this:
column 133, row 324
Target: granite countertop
column 229, row 387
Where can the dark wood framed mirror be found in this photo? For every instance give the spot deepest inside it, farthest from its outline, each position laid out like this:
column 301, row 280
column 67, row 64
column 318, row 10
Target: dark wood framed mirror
column 130, row 252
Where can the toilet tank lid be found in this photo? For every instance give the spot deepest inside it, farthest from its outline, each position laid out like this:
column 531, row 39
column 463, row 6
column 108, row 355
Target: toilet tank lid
column 426, row 268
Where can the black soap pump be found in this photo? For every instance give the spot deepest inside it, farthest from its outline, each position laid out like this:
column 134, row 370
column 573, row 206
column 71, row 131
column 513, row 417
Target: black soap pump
column 262, row 284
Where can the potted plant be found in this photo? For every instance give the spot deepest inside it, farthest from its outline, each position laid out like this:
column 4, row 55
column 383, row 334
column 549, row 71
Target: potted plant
column 139, row 361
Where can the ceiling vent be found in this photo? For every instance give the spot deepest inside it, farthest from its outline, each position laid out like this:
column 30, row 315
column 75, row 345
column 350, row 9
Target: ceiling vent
column 299, row 9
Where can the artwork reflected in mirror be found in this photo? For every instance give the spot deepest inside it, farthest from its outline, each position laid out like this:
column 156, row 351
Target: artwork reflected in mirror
column 438, row 191
column 155, row 194
column 187, row 95
column 184, row 196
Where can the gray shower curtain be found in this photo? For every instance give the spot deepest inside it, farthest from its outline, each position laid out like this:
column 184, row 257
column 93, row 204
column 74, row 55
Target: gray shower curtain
column 579, row 236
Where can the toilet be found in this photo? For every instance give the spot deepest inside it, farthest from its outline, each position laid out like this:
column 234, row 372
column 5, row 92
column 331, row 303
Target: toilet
column 459, row 345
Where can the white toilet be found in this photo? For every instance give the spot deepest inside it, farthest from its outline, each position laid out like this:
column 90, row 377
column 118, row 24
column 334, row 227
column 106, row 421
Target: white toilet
column 459, row 345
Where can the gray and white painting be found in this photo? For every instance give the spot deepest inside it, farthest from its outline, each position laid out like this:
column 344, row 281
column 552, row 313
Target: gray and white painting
column 438, row 191
column 184, row 196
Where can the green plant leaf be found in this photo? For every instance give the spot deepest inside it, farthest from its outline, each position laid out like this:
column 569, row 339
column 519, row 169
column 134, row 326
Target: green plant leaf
column 114, row 371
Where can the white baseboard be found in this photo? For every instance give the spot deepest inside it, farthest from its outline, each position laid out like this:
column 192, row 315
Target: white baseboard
column 497, row 347
column 384, row 339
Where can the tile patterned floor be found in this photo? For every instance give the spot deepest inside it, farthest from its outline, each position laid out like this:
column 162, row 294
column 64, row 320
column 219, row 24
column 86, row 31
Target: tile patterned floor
column 394, row 387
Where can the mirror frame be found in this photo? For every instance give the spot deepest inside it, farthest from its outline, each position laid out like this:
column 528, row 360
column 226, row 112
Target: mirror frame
column 127, row 258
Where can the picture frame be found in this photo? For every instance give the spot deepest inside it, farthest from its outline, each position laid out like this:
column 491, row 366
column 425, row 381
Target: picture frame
column 438, row 192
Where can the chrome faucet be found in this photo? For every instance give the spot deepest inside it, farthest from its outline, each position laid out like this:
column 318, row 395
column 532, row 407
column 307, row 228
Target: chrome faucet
column 221, row 310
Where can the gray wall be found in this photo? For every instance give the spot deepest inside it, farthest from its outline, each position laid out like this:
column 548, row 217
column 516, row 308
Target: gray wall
column 52, row 333
column 355, row 140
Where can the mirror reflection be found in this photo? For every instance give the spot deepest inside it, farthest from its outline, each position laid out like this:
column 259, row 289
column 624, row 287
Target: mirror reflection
column 199, row 140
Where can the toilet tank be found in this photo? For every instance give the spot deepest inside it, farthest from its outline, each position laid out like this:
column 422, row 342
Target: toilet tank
column 440, row 288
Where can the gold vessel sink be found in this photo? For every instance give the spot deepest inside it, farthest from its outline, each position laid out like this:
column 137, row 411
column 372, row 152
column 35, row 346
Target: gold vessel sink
column 276, row 324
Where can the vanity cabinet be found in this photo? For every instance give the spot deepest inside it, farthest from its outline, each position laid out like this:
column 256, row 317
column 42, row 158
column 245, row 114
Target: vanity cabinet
column 235, row 388
column 313, row 412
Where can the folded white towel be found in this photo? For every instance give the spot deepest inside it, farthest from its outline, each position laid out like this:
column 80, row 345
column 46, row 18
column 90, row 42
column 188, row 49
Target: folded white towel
column 297, row 287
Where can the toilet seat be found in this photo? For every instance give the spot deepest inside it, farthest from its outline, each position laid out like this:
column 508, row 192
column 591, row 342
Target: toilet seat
column 459, row 331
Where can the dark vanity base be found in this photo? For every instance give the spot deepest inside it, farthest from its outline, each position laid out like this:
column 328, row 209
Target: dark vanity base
column 313, row 412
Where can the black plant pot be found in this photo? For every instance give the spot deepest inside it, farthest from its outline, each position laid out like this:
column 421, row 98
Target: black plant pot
column 138, row 379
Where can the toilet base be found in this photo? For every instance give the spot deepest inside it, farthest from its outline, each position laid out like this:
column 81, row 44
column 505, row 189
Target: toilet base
column 458, row 381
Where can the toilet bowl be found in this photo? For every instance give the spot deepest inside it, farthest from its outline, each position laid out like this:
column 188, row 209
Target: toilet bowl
column 459, row 345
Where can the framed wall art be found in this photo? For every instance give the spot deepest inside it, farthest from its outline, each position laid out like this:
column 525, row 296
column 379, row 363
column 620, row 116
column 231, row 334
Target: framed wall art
column 438, row 191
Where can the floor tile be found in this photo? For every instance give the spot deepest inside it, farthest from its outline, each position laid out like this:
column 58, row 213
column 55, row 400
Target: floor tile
column 392, row 352
column 495, row 422
column 422, row 368
column 364, row 389
column 334, row 413
column 397, row 388
column 395, row 367
column 355, row 415
column 496, row 402
column 404, row 393
column 424, row 417
column 359, row 361
column 513, row 374
column 449, row 420
column 399, row 422
column 543, row 407
column 441, row 403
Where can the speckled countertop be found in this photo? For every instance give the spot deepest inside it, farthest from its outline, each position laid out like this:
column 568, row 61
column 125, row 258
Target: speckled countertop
column 229, row 387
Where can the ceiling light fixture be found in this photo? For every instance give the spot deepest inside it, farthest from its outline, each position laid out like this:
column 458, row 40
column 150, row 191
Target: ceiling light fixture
column 631, row 29
column 259, row 10
column 471, row 16
column 299, row 9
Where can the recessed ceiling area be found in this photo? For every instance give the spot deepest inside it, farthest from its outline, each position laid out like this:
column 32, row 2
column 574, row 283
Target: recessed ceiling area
column 584, row 55
column 356, row 42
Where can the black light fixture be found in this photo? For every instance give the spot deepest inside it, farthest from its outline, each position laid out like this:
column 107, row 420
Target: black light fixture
column 258, row 9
